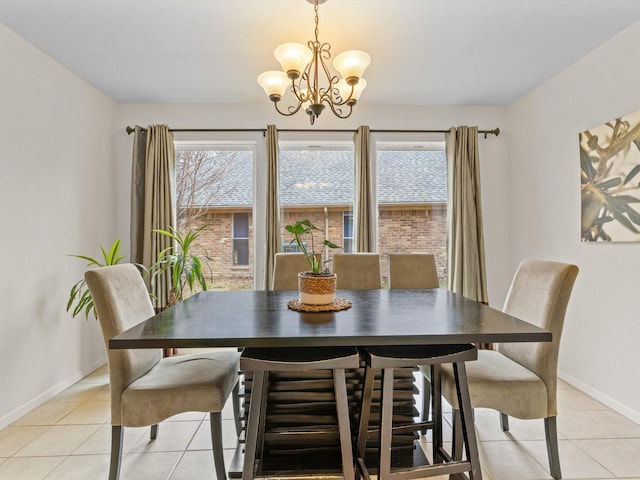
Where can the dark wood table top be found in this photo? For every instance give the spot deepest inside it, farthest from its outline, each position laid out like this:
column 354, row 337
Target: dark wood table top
column 377, row 317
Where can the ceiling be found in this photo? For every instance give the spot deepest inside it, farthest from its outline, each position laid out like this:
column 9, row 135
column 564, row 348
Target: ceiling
column 427, row 52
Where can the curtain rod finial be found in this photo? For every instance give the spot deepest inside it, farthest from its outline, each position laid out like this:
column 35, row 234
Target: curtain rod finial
column 130, row 130
column 495, row 132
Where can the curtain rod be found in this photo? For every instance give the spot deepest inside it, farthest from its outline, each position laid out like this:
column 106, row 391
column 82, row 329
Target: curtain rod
column 130, row 130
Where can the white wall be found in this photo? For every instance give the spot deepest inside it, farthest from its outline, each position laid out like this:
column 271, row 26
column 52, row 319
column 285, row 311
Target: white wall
column 599, row 350
column 56, row 198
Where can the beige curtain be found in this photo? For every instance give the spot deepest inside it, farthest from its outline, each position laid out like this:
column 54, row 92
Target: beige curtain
column 153, row 201
column 364, row 211
column 273, row 205
column 465, row 256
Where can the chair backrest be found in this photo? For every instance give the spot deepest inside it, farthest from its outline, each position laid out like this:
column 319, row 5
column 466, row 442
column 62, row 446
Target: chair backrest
column 122, row 301
column 539, row 294
column 286, row 269
column 412, row 270
column 357, row 271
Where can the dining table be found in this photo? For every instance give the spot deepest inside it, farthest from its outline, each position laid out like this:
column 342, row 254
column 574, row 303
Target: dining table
column 380, row 317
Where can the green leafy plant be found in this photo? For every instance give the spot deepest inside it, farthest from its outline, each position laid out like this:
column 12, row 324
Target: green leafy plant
column 300, row 230
column 80, row 299
column 185, row 267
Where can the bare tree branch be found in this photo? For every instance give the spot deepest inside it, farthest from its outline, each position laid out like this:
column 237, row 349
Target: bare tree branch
column 202, row 180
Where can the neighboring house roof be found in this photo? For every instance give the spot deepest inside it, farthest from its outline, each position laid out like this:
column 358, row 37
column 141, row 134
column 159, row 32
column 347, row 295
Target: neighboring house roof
column 308, row 177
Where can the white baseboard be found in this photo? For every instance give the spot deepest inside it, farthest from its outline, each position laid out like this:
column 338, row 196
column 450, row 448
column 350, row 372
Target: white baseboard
column 49, row 394
column 601, row 397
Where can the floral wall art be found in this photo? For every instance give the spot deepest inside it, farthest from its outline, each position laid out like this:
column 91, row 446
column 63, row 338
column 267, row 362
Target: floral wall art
column 610, row 181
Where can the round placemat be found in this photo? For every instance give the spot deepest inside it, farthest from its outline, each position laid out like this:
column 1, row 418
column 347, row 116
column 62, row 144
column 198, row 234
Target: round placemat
column 337, row 305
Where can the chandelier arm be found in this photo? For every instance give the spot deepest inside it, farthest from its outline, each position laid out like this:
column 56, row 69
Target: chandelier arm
column 338, row 111
column 292, row 109
column 331, row 93
column 337, row 99
column 332, row 79
column 298, row 92
column 306, row 78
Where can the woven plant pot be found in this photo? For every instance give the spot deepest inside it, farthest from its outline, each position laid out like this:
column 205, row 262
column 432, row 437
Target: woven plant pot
column 317, row 289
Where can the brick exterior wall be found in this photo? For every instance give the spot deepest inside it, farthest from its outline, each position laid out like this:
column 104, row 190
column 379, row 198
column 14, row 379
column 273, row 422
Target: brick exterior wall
column 412, row 231
column 399, row 230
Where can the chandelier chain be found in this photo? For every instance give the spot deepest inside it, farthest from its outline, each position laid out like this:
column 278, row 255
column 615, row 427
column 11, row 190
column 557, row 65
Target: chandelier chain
column 317, row 19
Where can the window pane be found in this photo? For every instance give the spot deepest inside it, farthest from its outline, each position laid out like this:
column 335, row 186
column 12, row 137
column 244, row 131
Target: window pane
column 316, row 184
column 348, row 224
column 240, row 225
column 347, row 221
column 214, row 187
column 412, row 211
column 241, row 251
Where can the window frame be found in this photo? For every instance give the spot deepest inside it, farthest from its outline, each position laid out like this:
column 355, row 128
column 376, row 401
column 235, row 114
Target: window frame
column 246, row 141
column 403, row 142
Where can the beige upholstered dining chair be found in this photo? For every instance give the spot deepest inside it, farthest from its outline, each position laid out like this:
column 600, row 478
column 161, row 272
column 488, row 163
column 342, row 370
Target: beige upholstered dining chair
column 145, row 387
column 286, row 269
column 520, row 379
column 412, row 270
column 357, row 271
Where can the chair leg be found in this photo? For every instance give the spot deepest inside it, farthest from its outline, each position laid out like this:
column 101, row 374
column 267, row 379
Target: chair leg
column 466, row 417
column 426, row 401
column 252, row 424
column 235, row 398
column 457, row 440
column 116, row 452
column 154, row 431
column 262, row 419
column 386, row 418
column 504, row 422
column 365, row 412
column 215, row 419
column 436, row 409
column 551, row 434
column 342, row 409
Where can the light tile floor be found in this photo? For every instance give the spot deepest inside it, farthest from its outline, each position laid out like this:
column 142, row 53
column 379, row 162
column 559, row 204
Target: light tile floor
column 68, row 438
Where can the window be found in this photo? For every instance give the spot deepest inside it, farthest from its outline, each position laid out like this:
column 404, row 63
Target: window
column 240, row 239
column 316, row 183
column 288, row 247
column 347, row 231
column 412, row 201
column 214, row 188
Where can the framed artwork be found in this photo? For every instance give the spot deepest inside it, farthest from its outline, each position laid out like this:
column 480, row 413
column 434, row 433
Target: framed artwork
column 610, row 181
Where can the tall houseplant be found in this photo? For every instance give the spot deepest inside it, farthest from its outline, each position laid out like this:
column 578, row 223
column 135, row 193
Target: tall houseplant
column 185, row 266
column 317, row 286
column 80, row 299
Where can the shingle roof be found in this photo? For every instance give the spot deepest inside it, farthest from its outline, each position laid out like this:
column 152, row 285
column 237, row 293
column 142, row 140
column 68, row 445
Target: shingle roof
column 308, row 177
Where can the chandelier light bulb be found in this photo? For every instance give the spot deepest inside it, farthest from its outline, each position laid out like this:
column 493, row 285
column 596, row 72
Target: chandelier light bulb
column 352, row 64
column 293, row 57
column 344, row 89
column 274, row 83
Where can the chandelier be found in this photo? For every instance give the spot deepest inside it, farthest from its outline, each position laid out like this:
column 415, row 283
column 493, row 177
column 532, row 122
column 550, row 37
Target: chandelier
column 302, row 69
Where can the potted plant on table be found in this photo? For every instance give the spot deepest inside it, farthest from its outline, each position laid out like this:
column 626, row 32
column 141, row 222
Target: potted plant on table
column 317, row 286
